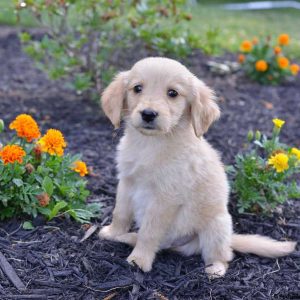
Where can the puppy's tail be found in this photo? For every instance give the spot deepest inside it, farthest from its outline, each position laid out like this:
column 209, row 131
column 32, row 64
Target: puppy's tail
column 261, row 245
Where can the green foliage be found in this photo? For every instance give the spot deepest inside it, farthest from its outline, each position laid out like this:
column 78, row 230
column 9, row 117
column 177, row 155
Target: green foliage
column 210, row 43
column 42, row 184
column 263, row 177
column 83, row 35
column 265, row 61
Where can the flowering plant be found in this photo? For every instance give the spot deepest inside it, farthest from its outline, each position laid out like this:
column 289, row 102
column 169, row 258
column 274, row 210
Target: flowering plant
column 265, row 62
column 263, row 177
column 37, row 177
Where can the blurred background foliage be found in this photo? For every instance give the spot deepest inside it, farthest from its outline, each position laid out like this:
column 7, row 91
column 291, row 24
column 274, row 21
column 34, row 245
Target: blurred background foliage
column 83, row 34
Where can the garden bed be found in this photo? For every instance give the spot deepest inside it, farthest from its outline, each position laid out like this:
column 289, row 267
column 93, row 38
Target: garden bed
column 51, row 261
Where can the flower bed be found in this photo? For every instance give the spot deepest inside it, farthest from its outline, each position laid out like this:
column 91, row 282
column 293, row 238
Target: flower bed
column 52, row 262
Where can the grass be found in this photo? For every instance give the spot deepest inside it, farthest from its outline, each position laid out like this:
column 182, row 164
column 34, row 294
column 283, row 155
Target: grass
column 234, row 26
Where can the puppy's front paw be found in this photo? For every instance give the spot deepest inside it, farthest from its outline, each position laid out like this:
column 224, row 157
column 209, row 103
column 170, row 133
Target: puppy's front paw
column 142, row 260
column 216, row 270
column 108, row 233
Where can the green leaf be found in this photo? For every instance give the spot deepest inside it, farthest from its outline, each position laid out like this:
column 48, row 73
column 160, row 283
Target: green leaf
column 58, row 206
column 48, row 185
column 27, row 225
column 1, row 125
column 18, row 182
column 25, row 37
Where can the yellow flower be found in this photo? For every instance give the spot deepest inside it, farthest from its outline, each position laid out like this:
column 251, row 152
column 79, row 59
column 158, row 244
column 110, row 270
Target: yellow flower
column 283, row 39
column 12, row 153
column 296, row 152
column 294, row 68
column 283, row 62
column 277, row 50
column 53, row 142
column 280, row 162
column 261, row 65
column 278, row 123
column 26, row 127
column 80, row 167
column 246, row 46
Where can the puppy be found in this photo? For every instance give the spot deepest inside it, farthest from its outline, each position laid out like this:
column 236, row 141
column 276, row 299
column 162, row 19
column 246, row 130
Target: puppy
column 171, row 181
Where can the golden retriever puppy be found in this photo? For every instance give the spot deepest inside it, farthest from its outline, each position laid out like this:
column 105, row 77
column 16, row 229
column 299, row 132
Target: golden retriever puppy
column 171, row 181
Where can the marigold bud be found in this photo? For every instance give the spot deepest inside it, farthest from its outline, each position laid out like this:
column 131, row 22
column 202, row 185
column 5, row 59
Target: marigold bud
column 29, row 168
column 109, row 15
column 241, row 58
column 188, row 17
column 133, row 22
column 250, row 135
column 255, row 41
column 1, row 125
column 163, row 11
column 257, row 135
column 43, row 199
column 37, row 150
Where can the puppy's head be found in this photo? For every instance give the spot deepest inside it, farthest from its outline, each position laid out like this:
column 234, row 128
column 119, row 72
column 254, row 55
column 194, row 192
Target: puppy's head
column 157, row 95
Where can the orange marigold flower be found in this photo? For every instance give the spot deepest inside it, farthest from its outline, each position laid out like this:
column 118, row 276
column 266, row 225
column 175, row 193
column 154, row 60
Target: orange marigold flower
column 261, row 65
column 246, row 46
column 294, row 68
column 80, row 167
column 43, row 199
column 53, row 142
column 12, row 153
column 283, row 62
column 241, row 58
column 26, row 127
column 283, row 39
column 277, row 50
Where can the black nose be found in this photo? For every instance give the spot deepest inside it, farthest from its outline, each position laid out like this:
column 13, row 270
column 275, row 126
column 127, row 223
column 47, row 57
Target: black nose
column 148, row 115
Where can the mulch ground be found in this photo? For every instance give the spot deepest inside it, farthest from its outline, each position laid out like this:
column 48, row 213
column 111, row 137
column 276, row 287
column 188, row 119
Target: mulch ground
column 51, row 262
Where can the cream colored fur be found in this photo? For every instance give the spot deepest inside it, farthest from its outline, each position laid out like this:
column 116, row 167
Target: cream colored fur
column 172, row 183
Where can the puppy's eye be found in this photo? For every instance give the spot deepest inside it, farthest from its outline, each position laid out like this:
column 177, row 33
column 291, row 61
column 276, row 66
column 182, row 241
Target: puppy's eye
column 172, row 93
column 137, row 88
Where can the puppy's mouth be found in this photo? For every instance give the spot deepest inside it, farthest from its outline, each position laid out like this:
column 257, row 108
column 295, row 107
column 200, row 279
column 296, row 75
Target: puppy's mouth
column 149, row 127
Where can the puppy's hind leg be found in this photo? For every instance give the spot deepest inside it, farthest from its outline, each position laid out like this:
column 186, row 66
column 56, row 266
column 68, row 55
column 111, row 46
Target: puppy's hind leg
column 215, row 243
column 122, row 214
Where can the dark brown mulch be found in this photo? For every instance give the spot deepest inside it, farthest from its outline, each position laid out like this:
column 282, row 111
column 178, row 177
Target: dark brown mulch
column 50, row 260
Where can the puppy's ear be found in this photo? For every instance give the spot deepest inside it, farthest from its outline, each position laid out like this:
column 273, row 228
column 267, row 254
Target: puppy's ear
column 204, row 109
column 113, row 98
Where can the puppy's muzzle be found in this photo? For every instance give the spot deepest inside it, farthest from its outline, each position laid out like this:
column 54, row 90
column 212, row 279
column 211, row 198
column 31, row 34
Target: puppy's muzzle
column 148, row 115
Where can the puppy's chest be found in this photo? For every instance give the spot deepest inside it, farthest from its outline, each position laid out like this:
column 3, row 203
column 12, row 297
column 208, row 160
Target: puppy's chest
column 137, row 163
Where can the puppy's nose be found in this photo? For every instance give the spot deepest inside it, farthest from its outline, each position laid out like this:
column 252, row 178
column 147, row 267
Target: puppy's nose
column 148, row 115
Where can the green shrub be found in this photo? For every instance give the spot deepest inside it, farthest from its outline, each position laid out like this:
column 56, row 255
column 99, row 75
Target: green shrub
column 263, row 176
column 36, row 177
column 84, row 35
column 265, row 62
